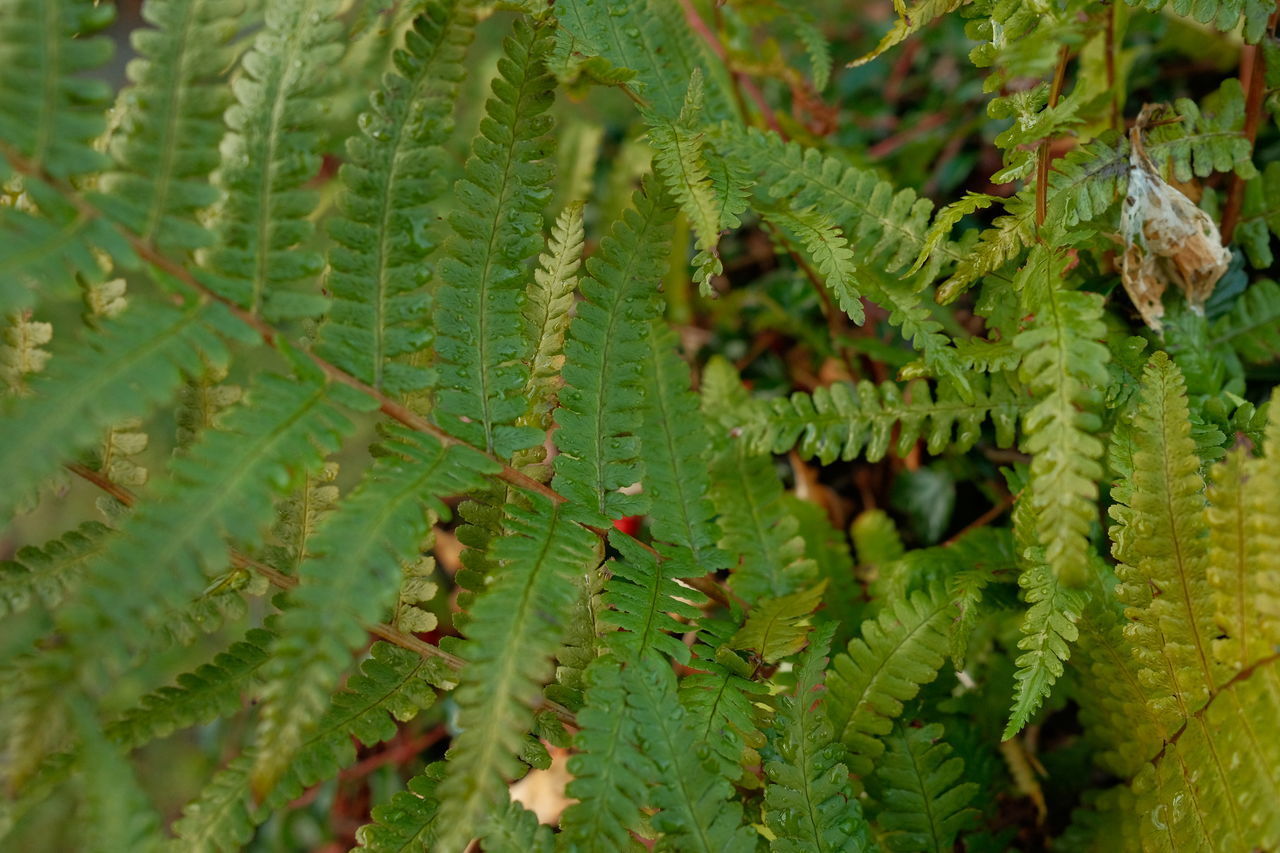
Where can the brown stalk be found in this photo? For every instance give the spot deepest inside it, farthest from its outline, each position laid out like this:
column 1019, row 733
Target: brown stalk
column 1253, row 77
column 1042, row 156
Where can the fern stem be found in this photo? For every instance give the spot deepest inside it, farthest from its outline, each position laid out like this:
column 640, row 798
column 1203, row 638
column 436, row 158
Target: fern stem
column 1252, row 67
column 1042, row 156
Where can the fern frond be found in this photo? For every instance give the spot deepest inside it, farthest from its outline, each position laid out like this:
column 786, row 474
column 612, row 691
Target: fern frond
column 515, row 628
column 392, row 683
column 921, row 804
column 696, row 811
column 213, row 690
column 650, row 39
column 547, row 310
column 1252, row 327
column 1160, row 541
column 608, row 781
column 1222, row 14
column 407, row 822
column 808, row 802
column 755, row 527
column 847, row 420
column 391, row 182
column 496, row 228
column 1114, row 705
column 899, row 650
column 47, row 574
column 678, row 157
column 777, row 627
column 889, row 224
column 132, row 365
column 722, row 698
column 676, row 481
column 646, row 597
column 909, row 21
column 1064, row 366
column 1048, row 630
column 170, row 122
column 600, row 405
column 220, row 490
column 120, row 816
column 271, row 150
column 1212, row 787
column 352, row 579
column 50, row 112
column 515, row 829
column 816, row 46
column 830, row 252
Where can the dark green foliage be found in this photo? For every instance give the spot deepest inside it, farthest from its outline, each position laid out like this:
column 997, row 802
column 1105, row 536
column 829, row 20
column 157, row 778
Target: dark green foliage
column 392, row 180
column 600, row 405
column 515, row 628
column 689, row 795
column 808, row 803
column 165, row 147
column 268, row 155
column 920, row 800
column 496, row 228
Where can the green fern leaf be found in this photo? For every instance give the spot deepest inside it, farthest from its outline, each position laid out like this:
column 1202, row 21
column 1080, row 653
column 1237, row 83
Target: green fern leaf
column 921, row 803
column 679, row 158
column 547, row 309
column 696, row 811
column 901, row 649
column 608, row 781
column 50, row 112
column 676, row 481
column 777, row 627
column 1252, row 327
column 1223, row 14
column 830, row 252
column 407, row 822
column 1159, row 540
column 211, row 691
column 909, row 21
column 1064, row 367
column 134, row 364
column 600, row 405
column 515, row 829
column 515, row 628
column 651, row 39
column 846, row 420
column 496, row 232
column 221, row 489
column 171, row 122
column 271, row 150
column 47, row 574
column 1048, row 630
column 645, row 599
column 747, row 495
column 393, row 682
column 890, row 227
column 352, row 579
column 391, row 183
column 808, row 802
column 722, row 699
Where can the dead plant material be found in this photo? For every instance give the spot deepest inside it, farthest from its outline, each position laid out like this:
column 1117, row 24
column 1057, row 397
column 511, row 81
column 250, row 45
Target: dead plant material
column 1166, row 237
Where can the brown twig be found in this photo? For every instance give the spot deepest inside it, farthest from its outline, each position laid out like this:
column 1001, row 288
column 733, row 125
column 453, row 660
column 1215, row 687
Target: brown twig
column 1253, row 77
column 1042, row 155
